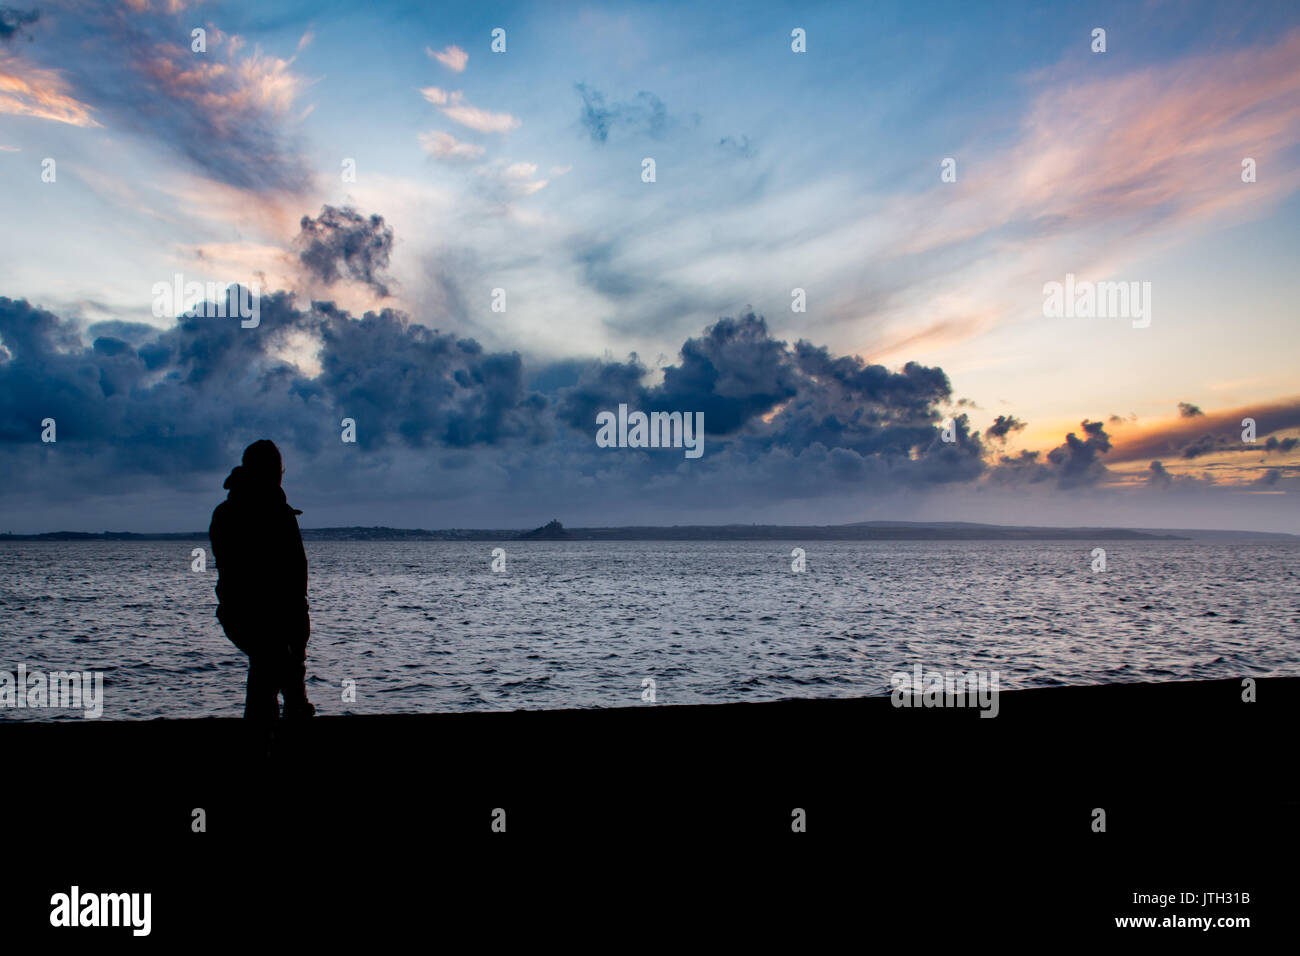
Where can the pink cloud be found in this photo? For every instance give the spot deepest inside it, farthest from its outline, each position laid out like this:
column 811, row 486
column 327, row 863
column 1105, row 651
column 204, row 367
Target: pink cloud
column 454, row 107
column 1158, row 148
column 1166, row 439
column 453, row 58
column 257, row 83
column 42, row 93
column 1101, row 169
column 445, row 146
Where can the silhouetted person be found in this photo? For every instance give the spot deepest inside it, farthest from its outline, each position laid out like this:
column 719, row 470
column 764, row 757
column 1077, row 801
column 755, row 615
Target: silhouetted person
column 262, row 583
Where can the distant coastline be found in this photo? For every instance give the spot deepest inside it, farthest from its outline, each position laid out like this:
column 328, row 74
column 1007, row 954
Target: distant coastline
column 859, row 531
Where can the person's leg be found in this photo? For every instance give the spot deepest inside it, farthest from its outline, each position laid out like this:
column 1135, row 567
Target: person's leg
column 262, row 701
column 293, row 676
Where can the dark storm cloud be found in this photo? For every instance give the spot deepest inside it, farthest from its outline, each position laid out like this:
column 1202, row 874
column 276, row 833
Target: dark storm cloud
column 439, row 417
column 189, row 398
column 342, row 242
column 601, row 386
column 553, row 376
column 1077, row 463
column 732, row 373
column 797, row 417
column 13, row 21
column 1208, row 444
column 224, row 111
column 1211, row 433
column 1022, row 468
column 174, row 403
column 422, row 388
column 1002, row 426
column 877, row 414
column 1160, row 478
column 1220, row 444
column 645, row 114
column 35, row 333
column 136, row 405
column 136, row 333
column 1188, row 410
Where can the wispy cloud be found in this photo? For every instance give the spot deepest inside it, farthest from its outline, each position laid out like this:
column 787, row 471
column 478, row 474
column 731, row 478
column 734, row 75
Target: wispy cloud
column 452, row 57
column 1209, row 433
column 454, row 107
column 14, row 22
column 1159, row 147
column 1097, row 171
column 229, row 111
column 445, row 146
column 645, row 113
column 514, row 179
column 27, row 90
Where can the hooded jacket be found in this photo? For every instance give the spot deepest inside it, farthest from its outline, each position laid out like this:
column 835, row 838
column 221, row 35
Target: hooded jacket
column 257, row 547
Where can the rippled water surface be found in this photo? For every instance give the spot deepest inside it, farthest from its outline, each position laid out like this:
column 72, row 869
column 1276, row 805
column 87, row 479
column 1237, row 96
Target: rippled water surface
column 426, row 626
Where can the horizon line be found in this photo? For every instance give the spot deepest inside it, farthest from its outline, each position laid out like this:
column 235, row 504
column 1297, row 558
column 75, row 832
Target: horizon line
column 666, row 527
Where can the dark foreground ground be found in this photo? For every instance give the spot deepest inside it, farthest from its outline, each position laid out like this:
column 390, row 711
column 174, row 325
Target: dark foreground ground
column 631, row 826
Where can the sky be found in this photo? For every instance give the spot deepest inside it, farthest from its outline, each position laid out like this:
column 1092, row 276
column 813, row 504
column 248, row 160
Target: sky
column 458, row 249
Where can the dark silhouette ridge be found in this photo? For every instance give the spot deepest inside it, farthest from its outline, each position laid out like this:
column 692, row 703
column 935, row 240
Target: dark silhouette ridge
column 262, row 583
column 865, row 531
column 861, row 531
column 551, row 531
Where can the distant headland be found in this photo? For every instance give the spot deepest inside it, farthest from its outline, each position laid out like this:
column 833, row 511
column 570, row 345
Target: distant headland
column 859, row 531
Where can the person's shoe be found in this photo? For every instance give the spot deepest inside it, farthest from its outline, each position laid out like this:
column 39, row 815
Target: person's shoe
column 297, row 711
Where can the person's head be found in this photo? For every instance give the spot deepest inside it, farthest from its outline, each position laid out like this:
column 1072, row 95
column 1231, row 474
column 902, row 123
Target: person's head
column 262, row 462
